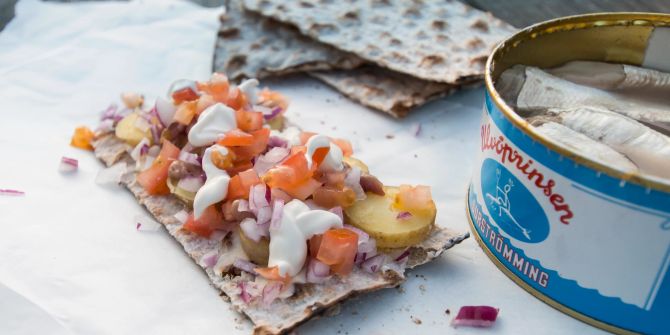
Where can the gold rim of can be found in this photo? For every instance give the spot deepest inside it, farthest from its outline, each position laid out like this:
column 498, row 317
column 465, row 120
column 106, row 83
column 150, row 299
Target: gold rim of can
column 643, row 24
column 537, row 294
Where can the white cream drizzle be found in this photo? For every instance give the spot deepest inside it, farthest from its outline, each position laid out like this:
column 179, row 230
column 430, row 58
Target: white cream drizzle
column 250, row 89
column 212, row 123
column 288, row 246
column 332, row 161
column 216, row 186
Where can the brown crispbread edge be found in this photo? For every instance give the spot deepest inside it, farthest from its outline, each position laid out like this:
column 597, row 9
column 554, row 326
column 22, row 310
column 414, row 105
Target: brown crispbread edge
column 110, row 150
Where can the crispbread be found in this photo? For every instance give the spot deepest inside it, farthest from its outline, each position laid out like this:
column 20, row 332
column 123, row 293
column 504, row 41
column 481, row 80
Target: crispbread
column 388, row 91
column 252, row 46
column 309, row 299
column 444, row 41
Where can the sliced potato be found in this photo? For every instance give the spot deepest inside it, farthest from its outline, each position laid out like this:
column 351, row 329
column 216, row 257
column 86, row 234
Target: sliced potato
column 357, row 163
column 127, row 131
column 180, row 193
column 258, row 252
column 376, row 217
column 276, row 123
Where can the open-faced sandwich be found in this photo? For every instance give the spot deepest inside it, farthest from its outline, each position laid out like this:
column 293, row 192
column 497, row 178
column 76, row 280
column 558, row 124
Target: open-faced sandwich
column 285, row 223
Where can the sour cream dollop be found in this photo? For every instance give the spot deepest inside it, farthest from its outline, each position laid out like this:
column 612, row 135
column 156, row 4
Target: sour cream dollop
column 212, row 123
column 288, row 247
column 332, row 161
column 216, row 186
column 250, row 89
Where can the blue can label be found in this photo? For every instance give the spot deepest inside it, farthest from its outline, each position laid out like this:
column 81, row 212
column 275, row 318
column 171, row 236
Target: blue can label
column 592, row 242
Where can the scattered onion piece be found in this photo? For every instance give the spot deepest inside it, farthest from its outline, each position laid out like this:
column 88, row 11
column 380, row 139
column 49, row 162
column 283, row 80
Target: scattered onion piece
column 338, row 211
column 271, row 291
column 244, row 293
column 252, row 230
column 475, row 316
column 353, row 181
column 272, row 114
column 276, row 141
column 277, row 214
column 317, row 272
column 403, row 215
column 373, row 264
column 10, row 192
column 68, row 165
column 209, row 259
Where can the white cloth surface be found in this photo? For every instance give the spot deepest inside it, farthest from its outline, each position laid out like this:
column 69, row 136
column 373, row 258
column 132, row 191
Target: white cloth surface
column 71, row 260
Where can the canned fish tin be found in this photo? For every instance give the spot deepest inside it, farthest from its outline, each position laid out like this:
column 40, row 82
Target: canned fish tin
column 590, row 240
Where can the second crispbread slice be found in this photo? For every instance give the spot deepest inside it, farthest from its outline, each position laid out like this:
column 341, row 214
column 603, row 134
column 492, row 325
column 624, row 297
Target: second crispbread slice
column 252, row 46
column 384, row 90
column 444, row 41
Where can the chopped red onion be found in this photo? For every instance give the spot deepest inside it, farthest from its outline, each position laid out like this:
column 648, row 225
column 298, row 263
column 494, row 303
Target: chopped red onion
column 10, row 192
column 136, row 153
column 416, row 129
column 181, row 216
column 165, row 110
column 272, row 114
column 271, row 291
column 264, row 215
column 257, row 198
column 209, row 259
column 251, row 229
column 245, row 265
column 403, row 215
column 373, row 264
column 362, row 236
column 338, row 211
column 105, row 126
column 475, row 316
column 277, row 214
column 317, row 272
column 276, row 141
column 112, row 174
column 262, row 109
column 244, row 294
column 68, row 165
column 243, row 205
column 190, row 184
column 353, row 181
column 110, row 113
column 188, row 157
column 371, row 184
column 273, row 157
column 402, row 257
column 278, row 194
column 219, row 235
column 145, row 223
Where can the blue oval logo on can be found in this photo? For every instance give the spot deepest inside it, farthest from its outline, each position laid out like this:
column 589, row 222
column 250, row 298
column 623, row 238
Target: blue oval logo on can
column 511, row 205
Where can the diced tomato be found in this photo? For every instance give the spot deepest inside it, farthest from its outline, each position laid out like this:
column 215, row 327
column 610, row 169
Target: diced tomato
column 154, row 179
column 272, row 274
column 204, row 102
column 217, row 87
column 334, row 179
column 239, row 167
column 261, row 137
column 222, row 161
column 236, row 138
column 249, row 121
column 272, row 99
column 185, row 112
column 82, row 138
column 330, row 197
column 210, row 221
column 338, row 249
column 239, row 185
column 303, row 190
column 305, row 136
column 345, row 145
column 319, row 155
column 413, row 198
column 236, row 99
column 290, row 173
column 184, row 94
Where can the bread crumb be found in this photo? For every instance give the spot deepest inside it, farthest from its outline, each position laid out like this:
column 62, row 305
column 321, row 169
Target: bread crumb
column 415, row 320
column 447, row 311
column 400, row 289
column 422, row 288
column 389, row 136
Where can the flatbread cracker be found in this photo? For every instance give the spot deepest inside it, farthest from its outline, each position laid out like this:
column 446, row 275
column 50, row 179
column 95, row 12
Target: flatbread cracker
column 252, row 46
column 444, row 41
column 283, row 314
column 384, row 90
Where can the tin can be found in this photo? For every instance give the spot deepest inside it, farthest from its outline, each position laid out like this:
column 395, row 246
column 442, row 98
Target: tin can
column 587, row 239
